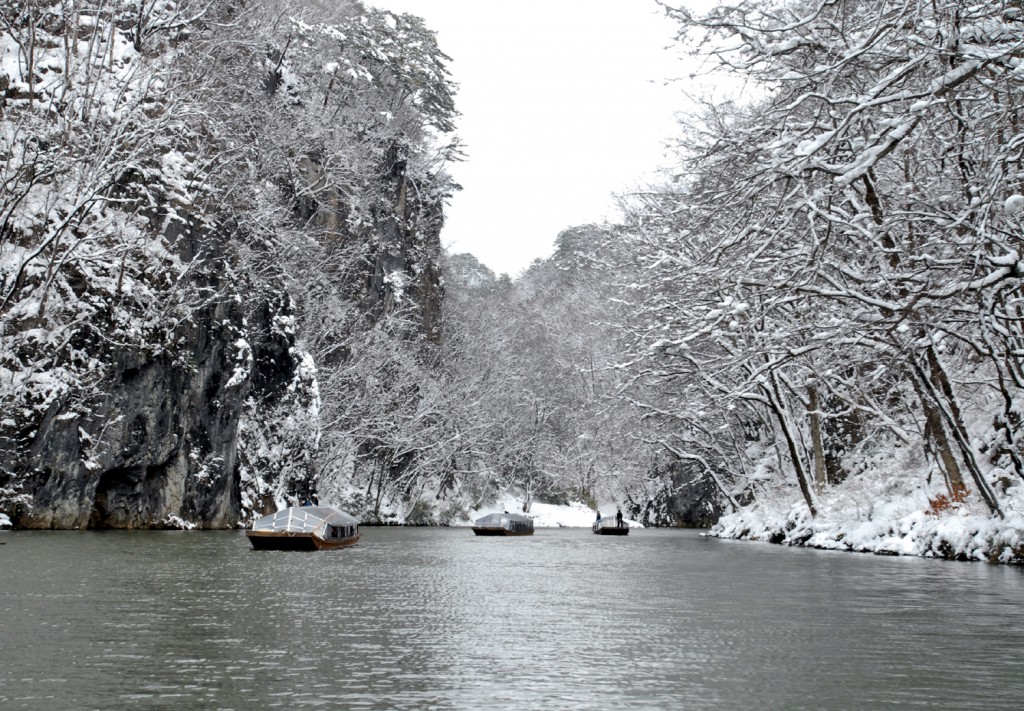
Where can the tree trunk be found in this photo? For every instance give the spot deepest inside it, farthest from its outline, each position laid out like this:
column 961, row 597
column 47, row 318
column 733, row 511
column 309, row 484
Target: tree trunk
column 380, row 490
column 950, row 410
column 1009, row 423
column 937, row 433
column 776, row 402
column 820, row 471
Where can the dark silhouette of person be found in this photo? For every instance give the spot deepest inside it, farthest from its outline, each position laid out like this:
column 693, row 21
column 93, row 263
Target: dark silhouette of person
column 618, row 518
column 598, row 515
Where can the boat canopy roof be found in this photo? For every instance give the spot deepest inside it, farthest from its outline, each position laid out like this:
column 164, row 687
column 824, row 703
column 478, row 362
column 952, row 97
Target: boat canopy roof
column 304, row 519
column 500, row 519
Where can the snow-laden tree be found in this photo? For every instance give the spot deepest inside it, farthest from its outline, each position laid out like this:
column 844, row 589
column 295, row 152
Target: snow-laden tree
column 839, row 259
column 531, row 369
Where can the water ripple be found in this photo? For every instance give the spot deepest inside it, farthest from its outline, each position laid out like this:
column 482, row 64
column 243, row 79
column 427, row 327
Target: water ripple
column 436, row 618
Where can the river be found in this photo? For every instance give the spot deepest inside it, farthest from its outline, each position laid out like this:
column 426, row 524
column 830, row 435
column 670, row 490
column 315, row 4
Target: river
column 415, row 618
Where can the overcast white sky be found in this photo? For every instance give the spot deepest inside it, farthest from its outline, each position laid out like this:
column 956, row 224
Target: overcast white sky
column 563, row 103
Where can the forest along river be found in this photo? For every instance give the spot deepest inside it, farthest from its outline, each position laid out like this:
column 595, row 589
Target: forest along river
column 437, row 618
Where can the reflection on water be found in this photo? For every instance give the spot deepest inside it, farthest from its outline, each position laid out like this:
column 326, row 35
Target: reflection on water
column 438, row 618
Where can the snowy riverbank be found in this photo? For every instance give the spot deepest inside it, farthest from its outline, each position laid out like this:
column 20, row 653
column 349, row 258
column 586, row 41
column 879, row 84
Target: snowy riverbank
column 856, row 517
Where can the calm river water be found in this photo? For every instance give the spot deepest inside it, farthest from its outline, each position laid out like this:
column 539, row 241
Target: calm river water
column 440, row 619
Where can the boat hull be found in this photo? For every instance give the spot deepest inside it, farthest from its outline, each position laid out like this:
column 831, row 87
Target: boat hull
column 611, row 530
column 498, row 531
column 284, row 541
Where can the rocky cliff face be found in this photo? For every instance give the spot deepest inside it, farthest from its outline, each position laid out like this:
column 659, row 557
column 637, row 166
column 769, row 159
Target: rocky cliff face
column 190, row 239
column 687, row 498
column 158, row 419
column 406, row 264
column 157, row 444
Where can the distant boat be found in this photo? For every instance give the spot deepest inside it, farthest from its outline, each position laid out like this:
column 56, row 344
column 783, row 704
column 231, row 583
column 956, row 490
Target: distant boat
column 609, row 527
column 304, row 528
column 503, row 524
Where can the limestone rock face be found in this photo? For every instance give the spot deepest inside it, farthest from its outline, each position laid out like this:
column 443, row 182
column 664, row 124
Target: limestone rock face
column 159, row 445
column 697, row 503
column 165, row 251
column 687, row 499
column 412, row 256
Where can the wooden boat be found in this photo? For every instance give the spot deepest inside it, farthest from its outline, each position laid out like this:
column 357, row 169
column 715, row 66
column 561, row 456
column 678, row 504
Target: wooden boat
column 304, row 528
column 609, row 527
column 503, row 524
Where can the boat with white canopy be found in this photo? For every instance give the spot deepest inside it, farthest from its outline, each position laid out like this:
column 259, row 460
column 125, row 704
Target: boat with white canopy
column 304, row 528
column 503, row 524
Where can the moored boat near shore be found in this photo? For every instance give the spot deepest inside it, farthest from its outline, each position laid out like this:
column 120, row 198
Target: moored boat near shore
column 304, row 528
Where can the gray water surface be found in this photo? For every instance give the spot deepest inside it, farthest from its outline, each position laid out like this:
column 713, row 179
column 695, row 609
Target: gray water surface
column 437, row 618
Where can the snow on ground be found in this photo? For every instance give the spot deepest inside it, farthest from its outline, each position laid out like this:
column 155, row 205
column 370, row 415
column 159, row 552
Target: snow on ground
column 5, row 522
column 860, row 517
column 574, row 515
